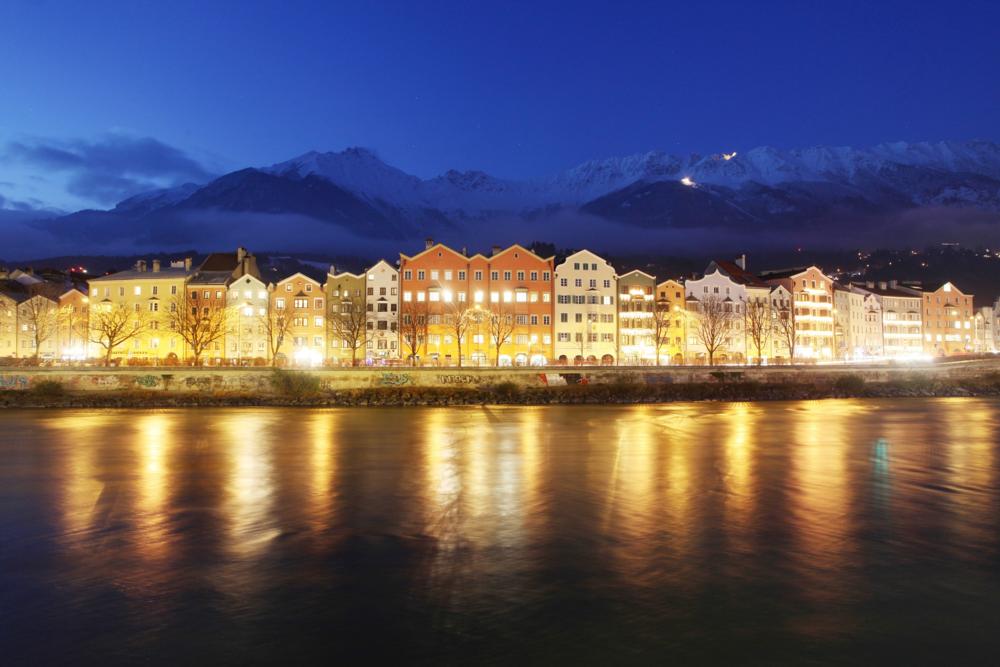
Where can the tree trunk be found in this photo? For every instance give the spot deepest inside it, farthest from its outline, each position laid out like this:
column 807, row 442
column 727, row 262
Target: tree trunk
column 107, row 357
column 459, row 352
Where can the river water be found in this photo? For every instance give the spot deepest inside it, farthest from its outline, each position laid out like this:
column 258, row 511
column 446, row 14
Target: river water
column 838, row 531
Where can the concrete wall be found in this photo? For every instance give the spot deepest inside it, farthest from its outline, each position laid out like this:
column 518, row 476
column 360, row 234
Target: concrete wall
column 253, row 380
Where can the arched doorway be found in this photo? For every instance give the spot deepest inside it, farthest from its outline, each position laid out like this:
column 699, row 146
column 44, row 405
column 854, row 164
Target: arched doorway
column 578, row 360
column 562, row 360
column 607, row 360
column 591, row 360
column 677, row 359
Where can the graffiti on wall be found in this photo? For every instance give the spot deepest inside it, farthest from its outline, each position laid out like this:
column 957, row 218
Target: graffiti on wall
column 460, row 378
column 13, row 381
column 563, row 379
column 395, row 379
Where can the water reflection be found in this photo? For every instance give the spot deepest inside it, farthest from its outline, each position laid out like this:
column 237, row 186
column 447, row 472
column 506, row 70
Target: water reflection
column 677, row 529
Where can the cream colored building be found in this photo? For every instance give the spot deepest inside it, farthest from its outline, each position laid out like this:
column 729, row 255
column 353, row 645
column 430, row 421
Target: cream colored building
column 247, row 306
column 848, row 322
column 150, row 291
column 586, row 314
column 902, row 323
column 302, row 299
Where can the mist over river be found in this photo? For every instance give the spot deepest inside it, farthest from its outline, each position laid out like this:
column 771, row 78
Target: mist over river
column 840, row 531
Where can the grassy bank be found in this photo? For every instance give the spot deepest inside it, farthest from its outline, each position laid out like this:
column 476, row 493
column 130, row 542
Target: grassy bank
column 303, row 393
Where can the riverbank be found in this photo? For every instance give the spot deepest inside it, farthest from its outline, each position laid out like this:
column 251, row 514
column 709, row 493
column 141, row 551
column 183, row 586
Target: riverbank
column 301, row 392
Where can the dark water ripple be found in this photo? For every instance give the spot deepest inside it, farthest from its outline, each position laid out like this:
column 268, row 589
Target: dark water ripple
column 816, row 532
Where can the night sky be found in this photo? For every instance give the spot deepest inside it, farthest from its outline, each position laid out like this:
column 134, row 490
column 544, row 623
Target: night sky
column 96, row 102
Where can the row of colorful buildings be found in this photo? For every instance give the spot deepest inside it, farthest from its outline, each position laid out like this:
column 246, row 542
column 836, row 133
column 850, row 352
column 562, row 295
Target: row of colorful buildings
column 443, row 306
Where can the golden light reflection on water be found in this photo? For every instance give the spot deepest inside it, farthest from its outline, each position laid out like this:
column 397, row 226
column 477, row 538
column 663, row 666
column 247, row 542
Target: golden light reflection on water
column 249, row 442
column 654, row 493
column 154, row 439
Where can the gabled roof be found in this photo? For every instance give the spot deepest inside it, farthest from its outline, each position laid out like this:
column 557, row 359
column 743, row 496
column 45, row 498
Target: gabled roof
column 165, row 273
column 736, row 274
column 639, row 271
column 517, row 246
column 436, row 246
column 778, row 274
column 297, row 273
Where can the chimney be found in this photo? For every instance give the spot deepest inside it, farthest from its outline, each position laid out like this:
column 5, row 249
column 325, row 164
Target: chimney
column 156, row 266
column 333, row 270
column 870, row 284
column 428, row 243
column 741, row 262
column 241, row 254
column 465, row 251
column 882, row 285
column 496, row 250
column 140, row 266
column 187, row 263
column 893, row 284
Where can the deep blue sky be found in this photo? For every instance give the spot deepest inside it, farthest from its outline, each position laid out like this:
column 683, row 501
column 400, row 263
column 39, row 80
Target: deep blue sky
column 515, row 89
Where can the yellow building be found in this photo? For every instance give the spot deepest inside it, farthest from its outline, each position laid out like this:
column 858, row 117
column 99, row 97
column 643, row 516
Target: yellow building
column 669, row 323
column 302, row 300
column 149, row 292
column 346, row 317
column 8, row 319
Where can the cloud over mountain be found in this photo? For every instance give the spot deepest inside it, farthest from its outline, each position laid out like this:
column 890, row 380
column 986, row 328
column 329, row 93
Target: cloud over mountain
column 112, row 167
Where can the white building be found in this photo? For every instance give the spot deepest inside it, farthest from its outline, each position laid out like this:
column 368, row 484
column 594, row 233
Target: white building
column 382, row 320
column 586, row 315
column 246, row 338
column 902, row 321
column 733, row 295
column 871, row 334
column 848, row 322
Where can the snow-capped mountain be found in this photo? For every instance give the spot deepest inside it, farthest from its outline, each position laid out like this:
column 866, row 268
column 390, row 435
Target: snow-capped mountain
column 763, row 189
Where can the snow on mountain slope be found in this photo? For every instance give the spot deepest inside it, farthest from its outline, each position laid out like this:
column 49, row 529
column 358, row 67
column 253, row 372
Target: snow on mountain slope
column 884, row 171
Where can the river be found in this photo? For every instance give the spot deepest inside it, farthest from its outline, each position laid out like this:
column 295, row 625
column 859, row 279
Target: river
column 838, row 531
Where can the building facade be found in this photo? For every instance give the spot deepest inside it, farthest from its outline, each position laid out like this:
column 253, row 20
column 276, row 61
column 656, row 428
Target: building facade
column 586, row 314
column 812, row 295
column 301, row 300
column 948, row 321
column 902, row 323
column 669, row 323
column 715, row 296
column 345, row 299
column 72, row 333
column 150, row 292
column 479, row 310
column 246, row 328
column 848, row 322
column 636, row 312
column 382, row 303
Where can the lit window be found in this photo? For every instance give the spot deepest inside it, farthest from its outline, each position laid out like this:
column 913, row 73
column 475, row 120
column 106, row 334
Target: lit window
column 478, row 296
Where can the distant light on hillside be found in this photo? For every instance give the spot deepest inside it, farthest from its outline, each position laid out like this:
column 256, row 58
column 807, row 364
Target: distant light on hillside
column 687, row 181
column 728, row 156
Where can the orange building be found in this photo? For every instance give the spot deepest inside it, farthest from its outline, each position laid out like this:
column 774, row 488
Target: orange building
column 475, row 302
column 949, row 326
column 812, row 295
column 305, row 342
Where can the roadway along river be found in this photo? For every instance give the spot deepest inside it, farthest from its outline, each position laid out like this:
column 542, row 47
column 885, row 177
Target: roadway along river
column 838, row 530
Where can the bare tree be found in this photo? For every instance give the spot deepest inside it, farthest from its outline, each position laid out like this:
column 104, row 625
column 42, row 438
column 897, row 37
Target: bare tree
column 784, row 327
column 413, row 327
column 348, row 323
column 501, row 326
column 661, row 327
column 198, row 327
column 114, row 324
column 41, row 315
column 275, row 324
column 758, row 324
column 714, row 324
column 458, row 319
column 73, row 323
